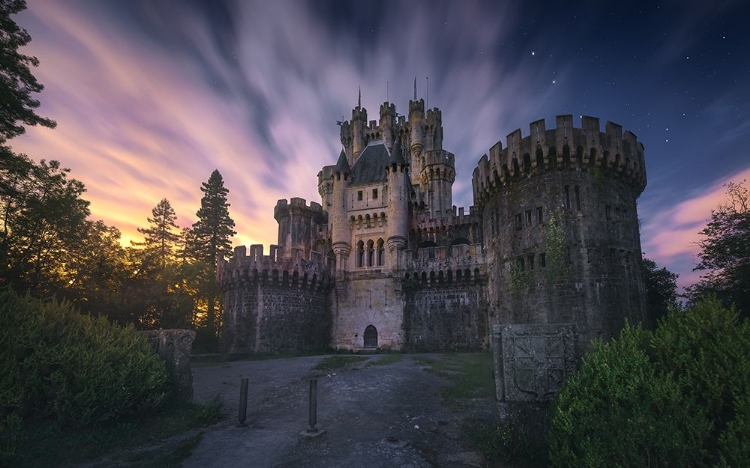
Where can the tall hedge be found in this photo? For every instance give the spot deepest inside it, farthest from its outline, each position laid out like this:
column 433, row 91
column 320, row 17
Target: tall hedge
column 77, row 370
column 679, row 396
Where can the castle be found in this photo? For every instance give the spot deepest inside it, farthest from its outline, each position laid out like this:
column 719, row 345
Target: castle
column 386, row 261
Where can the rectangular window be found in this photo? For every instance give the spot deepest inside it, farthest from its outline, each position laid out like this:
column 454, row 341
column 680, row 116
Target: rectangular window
column 567, row 197
column 374, row 194
column 578, row 198
column 528, row 218
column 530, row 262
column 359, row 195
column 543, row 260
column 519, row 224
column 539, row 215
column 519, row 263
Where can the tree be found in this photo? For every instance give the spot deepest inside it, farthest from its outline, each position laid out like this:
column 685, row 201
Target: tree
column 17, row 83
column 725, row 251
column 161, row 238
column 677, row 396
column 661, row 289
column 211, row 236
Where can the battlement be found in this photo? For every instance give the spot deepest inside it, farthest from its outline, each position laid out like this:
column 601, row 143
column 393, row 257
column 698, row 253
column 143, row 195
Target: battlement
column 454, row 217
column 387, row 108
column 416, row 106
column 439, row 157
column 276, row 268
column 434, row 116
column 612, row 153
column 299, row 206
column 432, row 266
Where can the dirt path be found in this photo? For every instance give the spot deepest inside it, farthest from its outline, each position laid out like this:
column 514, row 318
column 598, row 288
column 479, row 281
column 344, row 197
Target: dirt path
column 376, row 416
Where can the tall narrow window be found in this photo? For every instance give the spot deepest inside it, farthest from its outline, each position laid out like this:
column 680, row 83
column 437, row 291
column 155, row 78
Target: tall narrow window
column 370, row 253
column 530, row 262
column 543, row 260
column 374, row 194
column 528, row 218
column 360, row 254
column 567, row 197
column 359, row 195
column 381, row 252
column 519, row 263
column 519, row 224
column 539, row 215
column 578, row 198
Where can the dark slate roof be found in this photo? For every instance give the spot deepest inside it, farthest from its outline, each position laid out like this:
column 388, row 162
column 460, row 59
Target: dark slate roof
column 397, row 156
column 370, row 166
column 342, row 165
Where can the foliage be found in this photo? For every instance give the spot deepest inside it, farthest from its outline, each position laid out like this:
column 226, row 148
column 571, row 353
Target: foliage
column 17, row 83
column 78, row 370
column 518, row 439
column 211, row 241
column 661, row 289
column 674, row 397
column 725, row 252
column 49, row 445
column 160, row 239
column 554, row 246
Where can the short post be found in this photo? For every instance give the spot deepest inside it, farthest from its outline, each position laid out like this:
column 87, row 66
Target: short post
column 313, row 415
column 243, row 403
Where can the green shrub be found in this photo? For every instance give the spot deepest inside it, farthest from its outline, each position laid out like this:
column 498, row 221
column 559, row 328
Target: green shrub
column 80, row 371
column 675, row 397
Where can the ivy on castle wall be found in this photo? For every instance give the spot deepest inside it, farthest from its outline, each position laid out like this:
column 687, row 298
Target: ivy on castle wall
column 554, row 245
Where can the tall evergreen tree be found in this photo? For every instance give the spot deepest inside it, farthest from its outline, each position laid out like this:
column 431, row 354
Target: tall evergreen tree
column 211, row 238
column 17, row 83
column 161, row 237
column 214, row 228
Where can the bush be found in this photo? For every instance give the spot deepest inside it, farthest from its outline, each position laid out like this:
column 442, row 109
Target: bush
column 675, row 397
column 78, row 370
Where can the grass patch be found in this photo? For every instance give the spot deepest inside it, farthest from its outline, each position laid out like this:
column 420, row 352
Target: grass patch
column 471, row 374
column 385, row 360
column 337, row 362
column 46, row 444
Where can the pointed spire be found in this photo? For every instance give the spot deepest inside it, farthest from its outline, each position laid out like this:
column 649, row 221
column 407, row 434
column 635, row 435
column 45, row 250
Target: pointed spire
column 359, row 97
column 415, row 88
column 342, row 165
column 397, row 156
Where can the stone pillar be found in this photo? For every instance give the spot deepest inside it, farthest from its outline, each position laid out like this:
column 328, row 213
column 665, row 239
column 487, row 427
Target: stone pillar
column 175, row 346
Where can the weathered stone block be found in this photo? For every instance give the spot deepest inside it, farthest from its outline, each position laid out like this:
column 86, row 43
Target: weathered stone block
column 532, row 361
column 175, row 346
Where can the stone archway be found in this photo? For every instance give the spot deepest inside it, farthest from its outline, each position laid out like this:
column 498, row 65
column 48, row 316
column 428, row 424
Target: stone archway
column 371, row 337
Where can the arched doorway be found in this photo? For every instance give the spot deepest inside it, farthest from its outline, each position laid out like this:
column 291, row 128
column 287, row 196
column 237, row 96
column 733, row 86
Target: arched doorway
column 371, row 337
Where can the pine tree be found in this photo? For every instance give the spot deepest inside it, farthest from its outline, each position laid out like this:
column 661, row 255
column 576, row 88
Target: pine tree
column 17, row 81
column 161, row 238
column 214, row 228
column 211, row 236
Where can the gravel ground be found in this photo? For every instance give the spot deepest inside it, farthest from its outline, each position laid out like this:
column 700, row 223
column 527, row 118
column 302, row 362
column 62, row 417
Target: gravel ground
column 378, row 416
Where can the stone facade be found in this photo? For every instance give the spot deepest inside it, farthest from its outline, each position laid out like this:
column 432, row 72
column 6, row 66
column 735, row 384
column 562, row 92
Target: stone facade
column 386, row 261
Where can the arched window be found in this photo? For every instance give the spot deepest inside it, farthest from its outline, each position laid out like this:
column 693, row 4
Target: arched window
column 360, row 254
column 381, row 252
column 370, row 253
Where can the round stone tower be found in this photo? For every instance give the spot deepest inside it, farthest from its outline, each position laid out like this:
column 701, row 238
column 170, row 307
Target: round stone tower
column 561, row 229
column 398, row 204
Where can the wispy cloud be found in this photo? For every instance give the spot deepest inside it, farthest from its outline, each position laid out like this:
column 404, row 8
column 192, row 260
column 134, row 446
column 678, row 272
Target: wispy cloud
column 671, row 235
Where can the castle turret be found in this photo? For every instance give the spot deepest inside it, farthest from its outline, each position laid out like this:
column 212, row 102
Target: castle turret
column 398, row 204
column 438, row 175
column 434, row 130
column 299, row 225
column 387, row 123
column 358, row 129
column 416, row 136
column 341, row 233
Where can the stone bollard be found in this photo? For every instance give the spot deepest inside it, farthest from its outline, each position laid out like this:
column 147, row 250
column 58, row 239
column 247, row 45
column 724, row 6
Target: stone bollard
column 312, row 418
column 243, row 404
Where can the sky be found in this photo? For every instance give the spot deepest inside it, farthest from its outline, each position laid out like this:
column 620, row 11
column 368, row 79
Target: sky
column 150, row 96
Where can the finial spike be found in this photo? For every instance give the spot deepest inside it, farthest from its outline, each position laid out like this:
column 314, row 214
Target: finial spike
column 359, row 97
column 415, row 88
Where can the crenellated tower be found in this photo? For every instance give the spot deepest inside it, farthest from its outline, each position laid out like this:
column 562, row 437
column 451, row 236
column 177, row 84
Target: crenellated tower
column 340, row 228
column 561, row 227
